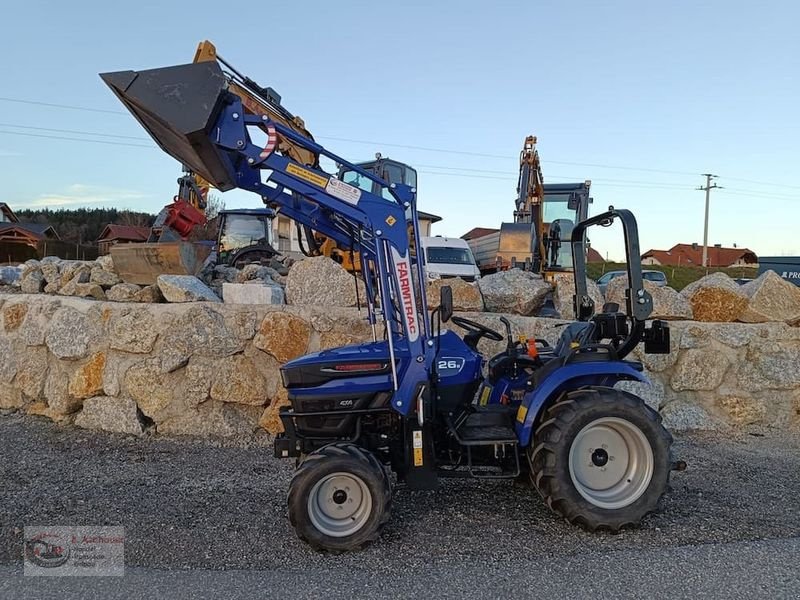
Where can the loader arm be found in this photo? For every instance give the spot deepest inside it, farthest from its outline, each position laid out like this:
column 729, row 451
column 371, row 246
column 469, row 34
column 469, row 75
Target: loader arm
column 262, row 101
column 193, row 115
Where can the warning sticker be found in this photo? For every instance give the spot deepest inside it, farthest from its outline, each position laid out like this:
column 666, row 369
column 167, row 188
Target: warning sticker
column 307, row 175
column 343, row 191
column 417, row 443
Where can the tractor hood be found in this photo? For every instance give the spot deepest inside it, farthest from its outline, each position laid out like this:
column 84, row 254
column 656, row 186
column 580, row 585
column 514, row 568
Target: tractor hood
column 362, row 360
column 371, row 360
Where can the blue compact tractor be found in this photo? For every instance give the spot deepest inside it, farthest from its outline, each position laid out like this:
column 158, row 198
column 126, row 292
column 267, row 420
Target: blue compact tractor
column 420, row 400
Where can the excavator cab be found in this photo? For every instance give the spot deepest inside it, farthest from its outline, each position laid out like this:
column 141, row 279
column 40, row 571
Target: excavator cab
column 391, row 171
column 564, row 205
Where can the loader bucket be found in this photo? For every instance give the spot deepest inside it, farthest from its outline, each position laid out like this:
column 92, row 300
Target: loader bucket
column 179, row 106
column 143, row 263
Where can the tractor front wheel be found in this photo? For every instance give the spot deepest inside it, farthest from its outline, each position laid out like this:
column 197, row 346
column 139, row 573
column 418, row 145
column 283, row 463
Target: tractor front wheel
column 339, row 498
column 601, row 458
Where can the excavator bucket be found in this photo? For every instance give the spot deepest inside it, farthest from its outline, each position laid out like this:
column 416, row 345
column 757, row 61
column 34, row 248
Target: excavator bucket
column 143, row 263
column 178, row 106
column 515, row 243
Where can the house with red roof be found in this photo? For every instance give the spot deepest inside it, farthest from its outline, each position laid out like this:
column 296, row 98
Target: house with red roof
column 121, row 234
column 692, row 255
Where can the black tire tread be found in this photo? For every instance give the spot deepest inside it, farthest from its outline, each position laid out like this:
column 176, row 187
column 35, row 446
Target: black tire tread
column 548, row 479
column 339, row 450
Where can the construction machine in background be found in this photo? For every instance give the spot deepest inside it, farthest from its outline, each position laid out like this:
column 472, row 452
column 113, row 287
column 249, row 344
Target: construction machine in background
column 243, row 236
column 538, row 239
column 390, row 172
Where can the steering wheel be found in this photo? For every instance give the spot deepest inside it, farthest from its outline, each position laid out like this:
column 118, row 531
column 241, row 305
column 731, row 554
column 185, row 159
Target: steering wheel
column 476, row 329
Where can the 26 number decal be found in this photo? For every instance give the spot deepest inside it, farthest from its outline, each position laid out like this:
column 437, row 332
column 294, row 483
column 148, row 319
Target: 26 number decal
column 450, row 366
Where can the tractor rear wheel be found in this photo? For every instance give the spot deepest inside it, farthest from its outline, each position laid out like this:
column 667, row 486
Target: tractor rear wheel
column 601, row 458
column 339, row 498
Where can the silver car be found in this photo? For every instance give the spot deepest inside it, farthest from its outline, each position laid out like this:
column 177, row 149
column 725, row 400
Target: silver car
column 656, row 277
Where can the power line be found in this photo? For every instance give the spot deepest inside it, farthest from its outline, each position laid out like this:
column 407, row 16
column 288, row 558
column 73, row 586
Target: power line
column 66, row 106
column 374, row 143
column 465, row 171
column 611, row 183
column 563, row 177
column 390, row 145
column 73, row 139
column 111, row 135
column 767, row 183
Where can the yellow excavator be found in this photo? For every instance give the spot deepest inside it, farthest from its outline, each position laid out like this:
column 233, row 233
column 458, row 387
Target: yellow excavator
column 538, row 239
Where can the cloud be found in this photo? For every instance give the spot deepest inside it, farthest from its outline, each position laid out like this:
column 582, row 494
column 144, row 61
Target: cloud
column 79, row 194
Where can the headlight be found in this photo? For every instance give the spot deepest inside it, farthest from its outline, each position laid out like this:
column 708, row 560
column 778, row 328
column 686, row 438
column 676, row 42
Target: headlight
column 432, row 275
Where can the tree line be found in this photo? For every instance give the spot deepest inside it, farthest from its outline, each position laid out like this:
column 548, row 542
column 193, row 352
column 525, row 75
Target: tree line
column 83, row 225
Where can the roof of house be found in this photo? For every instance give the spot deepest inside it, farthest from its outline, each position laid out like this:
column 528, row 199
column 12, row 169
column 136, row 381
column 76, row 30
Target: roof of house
column 593, row 256
column 424, row 216
column 128, row 233
column 32, row 230
column 692, row 254
column 477, row 232
column 6, row 210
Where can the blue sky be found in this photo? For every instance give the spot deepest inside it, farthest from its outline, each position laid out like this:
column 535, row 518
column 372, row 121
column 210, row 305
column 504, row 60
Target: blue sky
column 660, row 91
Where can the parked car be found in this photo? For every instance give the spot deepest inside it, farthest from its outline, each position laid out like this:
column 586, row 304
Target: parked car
column 656, row 277
column 449, row 257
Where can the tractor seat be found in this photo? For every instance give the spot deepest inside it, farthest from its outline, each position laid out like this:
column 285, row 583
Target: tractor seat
column 566, row 354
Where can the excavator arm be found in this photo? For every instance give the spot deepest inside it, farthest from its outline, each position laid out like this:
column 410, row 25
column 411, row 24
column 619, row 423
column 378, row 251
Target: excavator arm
column 530, row 196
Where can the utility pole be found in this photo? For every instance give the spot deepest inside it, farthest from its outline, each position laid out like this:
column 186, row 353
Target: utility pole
column 707, row 189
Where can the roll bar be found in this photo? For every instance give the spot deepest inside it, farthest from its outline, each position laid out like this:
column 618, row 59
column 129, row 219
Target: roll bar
column 638, row 301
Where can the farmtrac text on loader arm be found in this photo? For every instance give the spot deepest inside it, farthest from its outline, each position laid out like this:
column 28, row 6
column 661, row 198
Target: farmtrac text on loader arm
column 418, row 401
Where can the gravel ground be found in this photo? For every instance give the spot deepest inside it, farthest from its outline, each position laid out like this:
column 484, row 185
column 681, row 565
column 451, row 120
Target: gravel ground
column 198, row 504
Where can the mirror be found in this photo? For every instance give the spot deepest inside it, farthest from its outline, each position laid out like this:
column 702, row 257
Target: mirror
column 573, row 201
column 446, row 303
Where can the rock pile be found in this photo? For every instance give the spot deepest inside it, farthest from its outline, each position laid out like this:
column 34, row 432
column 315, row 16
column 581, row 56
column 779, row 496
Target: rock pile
column 9, row 275
column 466, row 296
column 771, row 298
column 86, row 279
column 254, row 284
column 322, row 281
column 716, row 298
column 514, row 291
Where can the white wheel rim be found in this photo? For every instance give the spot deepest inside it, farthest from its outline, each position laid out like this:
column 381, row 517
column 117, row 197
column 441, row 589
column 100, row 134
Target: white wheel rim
column 339, row 504
column 611, row 463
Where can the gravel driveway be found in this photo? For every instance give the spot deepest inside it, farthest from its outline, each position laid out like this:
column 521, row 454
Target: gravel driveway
column 195, row 504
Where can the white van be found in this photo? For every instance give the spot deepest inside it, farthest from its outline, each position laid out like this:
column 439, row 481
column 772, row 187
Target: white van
column 449, row 257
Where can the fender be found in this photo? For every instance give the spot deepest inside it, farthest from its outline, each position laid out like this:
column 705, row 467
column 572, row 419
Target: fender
column 570, row 377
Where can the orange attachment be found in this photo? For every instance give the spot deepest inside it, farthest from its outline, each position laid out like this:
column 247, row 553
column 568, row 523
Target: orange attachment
column 533, row 352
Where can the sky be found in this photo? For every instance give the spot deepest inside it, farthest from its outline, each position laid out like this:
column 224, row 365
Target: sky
column 639, row 97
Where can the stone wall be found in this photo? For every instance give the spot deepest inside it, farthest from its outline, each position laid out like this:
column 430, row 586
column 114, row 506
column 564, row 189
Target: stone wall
column 212, row 369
